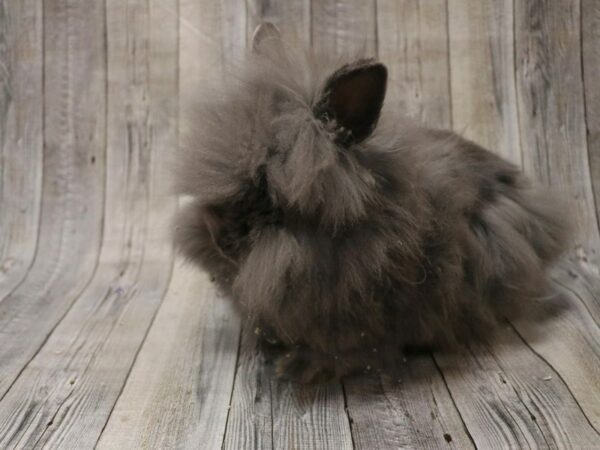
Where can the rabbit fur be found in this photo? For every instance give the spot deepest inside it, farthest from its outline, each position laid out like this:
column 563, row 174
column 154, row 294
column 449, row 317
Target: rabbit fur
column 343, row 233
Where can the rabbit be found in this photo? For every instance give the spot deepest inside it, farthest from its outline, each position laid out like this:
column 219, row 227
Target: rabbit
column 344, row 234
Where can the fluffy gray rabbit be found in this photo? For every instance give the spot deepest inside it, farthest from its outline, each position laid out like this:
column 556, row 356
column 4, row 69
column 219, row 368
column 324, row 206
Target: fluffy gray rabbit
column 345, row 234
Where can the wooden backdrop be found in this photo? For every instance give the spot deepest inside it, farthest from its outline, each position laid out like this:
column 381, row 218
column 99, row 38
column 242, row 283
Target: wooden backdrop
column 106, row 340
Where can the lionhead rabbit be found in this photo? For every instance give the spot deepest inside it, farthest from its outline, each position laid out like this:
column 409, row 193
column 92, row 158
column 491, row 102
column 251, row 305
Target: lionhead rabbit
column 344, row 234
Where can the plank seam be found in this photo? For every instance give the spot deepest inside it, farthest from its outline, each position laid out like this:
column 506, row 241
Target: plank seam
column 585, row 114
column 271, row 408
column 557, row 374
column 449, row 68
column 144, row 241
column 453, row 401
column 376, row 26
column 43, row 131
column 135, row 358
column 235, row 372
column 511, row 384
column 97, row 259
column 517, row 107
column 310, row 24
column 347, row 410
column 513, row 425
column 49, row 423
column 576, row 294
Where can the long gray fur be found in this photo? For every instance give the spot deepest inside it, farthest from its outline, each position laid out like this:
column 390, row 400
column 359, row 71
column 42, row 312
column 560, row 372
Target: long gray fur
column 344, row 233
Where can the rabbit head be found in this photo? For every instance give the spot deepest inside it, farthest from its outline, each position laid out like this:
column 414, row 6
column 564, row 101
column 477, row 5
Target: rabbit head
column 291, row 127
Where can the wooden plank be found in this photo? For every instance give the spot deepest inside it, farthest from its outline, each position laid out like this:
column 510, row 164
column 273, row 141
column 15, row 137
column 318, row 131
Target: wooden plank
column 199, row 336
column 412, row 38
column 212, row 39
column 268, row 413
column 250, row 422
column 484, row 102
column 551, row 109
column 551, row 93
column 65, row 394
column 178, row 392
column 344, row 28
column 21, row 138
column 310, row 417
column 500, row 416
column 232, row 32
column 546, row 395
column 492, row 411
column 73, row 184
column 412, row 410
column 569, row 342
column 511, row 397
column 590, row 22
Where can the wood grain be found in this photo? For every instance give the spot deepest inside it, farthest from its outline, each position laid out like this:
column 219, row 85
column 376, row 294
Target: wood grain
column 412, row 41
column 310, row 417
column 21, row 138
column 101, row 344
column 552, row 122
column 178, row 393
column 250, row 422
column 344, row 28
column 484, row 101
column 67, row 391
column 494, row 414
column 411, row 410
column 590, row 41
column 509, row 396
column 73, row 184
column 569, row 343
column 191, row 350
column 551, row 110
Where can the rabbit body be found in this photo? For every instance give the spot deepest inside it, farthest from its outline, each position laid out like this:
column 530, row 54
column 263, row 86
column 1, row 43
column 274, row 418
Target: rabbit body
column 344, row 233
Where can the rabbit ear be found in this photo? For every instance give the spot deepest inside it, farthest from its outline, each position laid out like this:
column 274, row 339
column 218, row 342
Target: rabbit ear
column 265, row 34
column 353, row 97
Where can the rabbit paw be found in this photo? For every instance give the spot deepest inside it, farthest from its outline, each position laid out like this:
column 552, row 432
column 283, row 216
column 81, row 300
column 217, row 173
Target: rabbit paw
column 302, row 367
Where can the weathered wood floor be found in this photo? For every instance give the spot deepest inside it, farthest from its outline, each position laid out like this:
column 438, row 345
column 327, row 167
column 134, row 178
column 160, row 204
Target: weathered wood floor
column 106, row 341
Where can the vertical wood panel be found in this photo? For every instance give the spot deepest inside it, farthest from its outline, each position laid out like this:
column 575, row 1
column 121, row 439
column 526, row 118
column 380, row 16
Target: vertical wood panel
column 73, row 183
column 78, row 305
column 484, row 105
column 503, row 417
column 552, row 122
column 65, row 394
column 21, row 138
column 344, row 28
column 413, row 43
column 590, row 14
column 178, row 391
column 551, row 110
